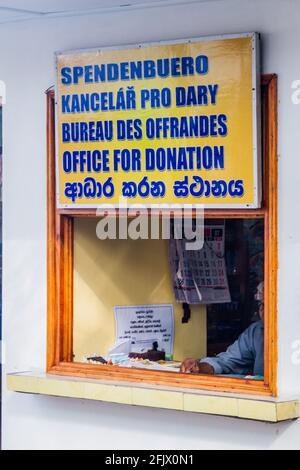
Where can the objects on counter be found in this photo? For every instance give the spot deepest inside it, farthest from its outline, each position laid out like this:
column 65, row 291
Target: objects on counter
column 152, row 354
column 96, row 359
column 118, row 358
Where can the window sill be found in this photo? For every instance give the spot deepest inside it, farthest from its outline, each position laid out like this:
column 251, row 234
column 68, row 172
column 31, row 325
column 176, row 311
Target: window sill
column 250, row 407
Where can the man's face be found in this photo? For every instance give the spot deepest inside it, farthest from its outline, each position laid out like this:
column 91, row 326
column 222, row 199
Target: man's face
column 259, row 296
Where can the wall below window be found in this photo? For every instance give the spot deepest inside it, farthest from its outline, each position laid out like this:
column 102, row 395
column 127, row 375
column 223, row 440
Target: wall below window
column 27, row 67
column 124, row 272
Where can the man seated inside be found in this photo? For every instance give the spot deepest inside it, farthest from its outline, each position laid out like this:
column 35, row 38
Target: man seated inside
column 244, row 357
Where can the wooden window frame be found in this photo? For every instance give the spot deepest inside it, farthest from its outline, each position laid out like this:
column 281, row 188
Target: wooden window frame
column 60, row 275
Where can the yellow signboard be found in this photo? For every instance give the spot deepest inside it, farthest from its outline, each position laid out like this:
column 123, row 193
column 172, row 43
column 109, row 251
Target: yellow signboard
column 168, row 123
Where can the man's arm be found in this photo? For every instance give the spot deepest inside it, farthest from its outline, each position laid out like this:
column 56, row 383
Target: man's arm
column 239, row 357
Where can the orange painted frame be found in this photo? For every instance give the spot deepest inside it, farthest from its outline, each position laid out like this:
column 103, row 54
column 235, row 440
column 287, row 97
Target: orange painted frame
column 60, row 275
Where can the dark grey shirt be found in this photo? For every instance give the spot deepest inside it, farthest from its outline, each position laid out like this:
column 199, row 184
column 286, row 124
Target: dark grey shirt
column 243, row 356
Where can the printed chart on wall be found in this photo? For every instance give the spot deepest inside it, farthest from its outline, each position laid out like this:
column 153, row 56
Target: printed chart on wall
column 166, row 123
column 139, row 327
column 200, row 277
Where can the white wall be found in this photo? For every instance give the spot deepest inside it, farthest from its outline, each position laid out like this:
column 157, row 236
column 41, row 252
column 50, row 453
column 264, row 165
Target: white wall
column 26, row 65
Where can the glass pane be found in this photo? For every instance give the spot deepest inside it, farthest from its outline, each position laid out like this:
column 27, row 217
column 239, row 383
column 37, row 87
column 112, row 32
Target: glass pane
column 110, row 273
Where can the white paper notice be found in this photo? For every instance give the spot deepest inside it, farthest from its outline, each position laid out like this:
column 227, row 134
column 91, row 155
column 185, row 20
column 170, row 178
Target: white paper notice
column 145, row 324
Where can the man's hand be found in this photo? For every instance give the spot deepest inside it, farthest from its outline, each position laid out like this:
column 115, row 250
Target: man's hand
column 191, row 366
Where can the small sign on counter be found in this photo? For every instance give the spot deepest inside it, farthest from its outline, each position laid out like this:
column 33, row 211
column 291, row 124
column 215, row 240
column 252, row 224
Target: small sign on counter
column 144, row 325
